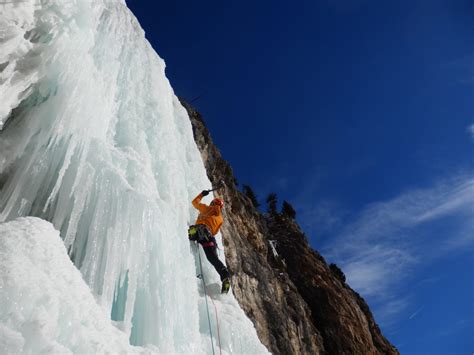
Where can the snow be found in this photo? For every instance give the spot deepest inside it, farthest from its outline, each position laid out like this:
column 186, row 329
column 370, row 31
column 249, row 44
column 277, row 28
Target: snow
column 93, row 139
column 46, row 305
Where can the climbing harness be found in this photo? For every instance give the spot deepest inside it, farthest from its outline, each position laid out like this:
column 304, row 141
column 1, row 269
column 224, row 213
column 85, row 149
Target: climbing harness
column 200, row 233
column 201, row 276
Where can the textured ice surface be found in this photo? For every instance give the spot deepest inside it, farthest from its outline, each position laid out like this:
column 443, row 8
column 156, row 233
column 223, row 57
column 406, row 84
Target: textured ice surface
column 46, row 305
column 95, row 141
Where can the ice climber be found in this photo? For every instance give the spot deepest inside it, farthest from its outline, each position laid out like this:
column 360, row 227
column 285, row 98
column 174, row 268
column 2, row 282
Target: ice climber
column 207, row 226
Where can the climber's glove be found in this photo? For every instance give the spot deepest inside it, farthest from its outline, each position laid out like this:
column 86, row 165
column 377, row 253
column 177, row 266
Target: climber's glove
column 205, row 193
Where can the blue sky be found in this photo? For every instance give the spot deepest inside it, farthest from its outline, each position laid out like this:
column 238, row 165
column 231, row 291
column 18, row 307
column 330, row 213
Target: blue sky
column 361, row 114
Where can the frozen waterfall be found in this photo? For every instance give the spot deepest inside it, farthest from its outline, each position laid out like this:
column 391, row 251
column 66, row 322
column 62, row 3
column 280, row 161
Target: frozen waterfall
column 94, row 140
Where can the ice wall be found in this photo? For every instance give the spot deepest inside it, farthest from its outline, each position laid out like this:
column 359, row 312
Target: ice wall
column 47, row 308
column 94, row 140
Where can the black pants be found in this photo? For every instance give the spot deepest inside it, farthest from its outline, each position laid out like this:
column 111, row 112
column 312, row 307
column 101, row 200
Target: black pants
column 209, row 244
column 211, row 255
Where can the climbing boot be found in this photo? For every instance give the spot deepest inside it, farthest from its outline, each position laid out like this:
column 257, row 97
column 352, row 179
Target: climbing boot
column 225, row 285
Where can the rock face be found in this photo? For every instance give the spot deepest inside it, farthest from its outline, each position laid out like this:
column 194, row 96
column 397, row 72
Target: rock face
column 299, row 304
column 340, row 314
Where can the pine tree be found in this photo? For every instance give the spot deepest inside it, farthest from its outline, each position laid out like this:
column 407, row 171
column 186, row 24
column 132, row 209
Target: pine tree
column 272, row 203
column 251, row 195
column 288, row 210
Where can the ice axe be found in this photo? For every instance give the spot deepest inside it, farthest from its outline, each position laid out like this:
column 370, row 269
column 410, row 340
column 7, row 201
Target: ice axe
column 219, row 185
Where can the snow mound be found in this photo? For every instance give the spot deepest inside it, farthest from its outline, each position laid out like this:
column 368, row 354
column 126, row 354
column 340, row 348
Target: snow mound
column 46, row 307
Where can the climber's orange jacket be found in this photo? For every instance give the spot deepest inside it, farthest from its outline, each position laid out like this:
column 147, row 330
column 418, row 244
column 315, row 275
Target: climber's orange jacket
column 211, row 216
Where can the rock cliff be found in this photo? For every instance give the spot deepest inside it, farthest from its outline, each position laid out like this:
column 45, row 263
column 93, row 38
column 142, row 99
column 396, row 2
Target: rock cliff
column 298, row 303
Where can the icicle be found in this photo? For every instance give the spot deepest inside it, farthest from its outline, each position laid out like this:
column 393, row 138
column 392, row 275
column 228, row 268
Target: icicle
column 95, row 141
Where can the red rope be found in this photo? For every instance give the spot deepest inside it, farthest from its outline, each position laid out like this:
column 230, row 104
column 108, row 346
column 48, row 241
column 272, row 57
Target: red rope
column 215, row 308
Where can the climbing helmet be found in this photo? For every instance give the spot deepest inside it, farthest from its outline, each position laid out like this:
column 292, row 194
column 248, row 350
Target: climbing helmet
column 217, row 202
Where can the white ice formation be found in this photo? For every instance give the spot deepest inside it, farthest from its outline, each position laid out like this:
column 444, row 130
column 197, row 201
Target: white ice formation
column 94, row 140
column 46, row 305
